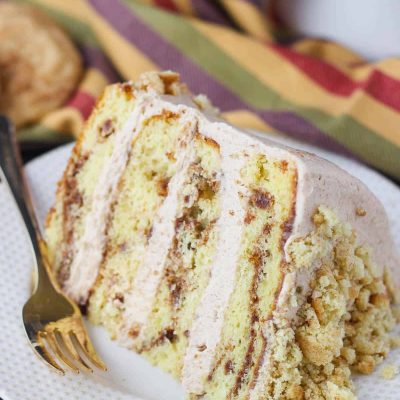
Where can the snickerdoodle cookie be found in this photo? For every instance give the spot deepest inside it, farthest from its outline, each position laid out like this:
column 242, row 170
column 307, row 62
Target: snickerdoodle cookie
column 39, row 65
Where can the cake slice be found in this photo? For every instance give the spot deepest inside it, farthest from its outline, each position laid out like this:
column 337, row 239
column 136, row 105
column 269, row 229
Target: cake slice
column 245, row 269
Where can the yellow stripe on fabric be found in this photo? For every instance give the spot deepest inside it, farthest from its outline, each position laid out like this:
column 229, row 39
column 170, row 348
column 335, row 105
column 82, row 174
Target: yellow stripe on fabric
column 345, row 60
column 247, row 120
column 78, row 9
column 249, row 17
column 334, row 54
column 67, row 120
column 376, row 116
column 93, row 83
column 185, row 6
column 389, row 66
column 279, row 74
column 126, row 58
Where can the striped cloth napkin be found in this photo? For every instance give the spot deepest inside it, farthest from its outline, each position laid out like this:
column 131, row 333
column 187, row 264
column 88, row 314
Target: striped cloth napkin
column 233, row 51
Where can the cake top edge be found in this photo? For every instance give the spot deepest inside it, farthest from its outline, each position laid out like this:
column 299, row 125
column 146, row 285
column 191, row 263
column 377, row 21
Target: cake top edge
column 168, row 83
column 320, row 182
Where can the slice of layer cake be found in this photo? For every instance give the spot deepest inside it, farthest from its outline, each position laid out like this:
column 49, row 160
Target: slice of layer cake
column 245, row 269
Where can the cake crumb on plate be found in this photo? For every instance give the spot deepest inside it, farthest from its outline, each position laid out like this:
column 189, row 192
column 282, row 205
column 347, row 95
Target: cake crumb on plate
column 389, row 371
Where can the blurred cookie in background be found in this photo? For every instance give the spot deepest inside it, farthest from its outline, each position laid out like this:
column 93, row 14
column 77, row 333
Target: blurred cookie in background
column 39, row 64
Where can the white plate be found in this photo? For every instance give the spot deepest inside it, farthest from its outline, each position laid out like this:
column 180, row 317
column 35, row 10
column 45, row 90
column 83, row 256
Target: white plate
column 22, row 376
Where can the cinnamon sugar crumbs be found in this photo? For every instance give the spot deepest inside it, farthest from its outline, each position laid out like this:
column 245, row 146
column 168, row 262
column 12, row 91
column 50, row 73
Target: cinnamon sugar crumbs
column 107, row 128
column 119, row 297
column 283, row 165
column 261, row 199
column 134, row 331
column 267, row 229
column 360, row 212
column 318, row 219
column 228, row 367
column 162, row 187
column 202, row 347
column 170, row 156
column 127, row 88
column 249, row 217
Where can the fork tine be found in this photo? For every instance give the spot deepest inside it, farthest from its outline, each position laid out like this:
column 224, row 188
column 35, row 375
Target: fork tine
column 88, row 349
column 45, row 355
column 55, row 347
column 65, row 339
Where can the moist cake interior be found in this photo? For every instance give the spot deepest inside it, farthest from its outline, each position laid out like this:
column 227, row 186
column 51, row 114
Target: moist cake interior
column 176, row 232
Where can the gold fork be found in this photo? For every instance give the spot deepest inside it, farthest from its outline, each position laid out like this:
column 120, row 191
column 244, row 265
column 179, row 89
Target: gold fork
column 52, row 322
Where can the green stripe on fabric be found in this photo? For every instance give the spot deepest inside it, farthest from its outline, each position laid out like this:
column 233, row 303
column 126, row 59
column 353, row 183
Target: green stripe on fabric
column 362, row 141
column 78, row 30
column 39, row 133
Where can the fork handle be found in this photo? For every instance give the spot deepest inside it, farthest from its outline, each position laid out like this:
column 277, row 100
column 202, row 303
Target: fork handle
column 11, row 165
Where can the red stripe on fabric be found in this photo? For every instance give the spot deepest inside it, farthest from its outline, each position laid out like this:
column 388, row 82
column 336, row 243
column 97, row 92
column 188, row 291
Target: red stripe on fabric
column 167, row 4
column 83, row 102
column 380, row 86
column 384, row 88
column 323, row 73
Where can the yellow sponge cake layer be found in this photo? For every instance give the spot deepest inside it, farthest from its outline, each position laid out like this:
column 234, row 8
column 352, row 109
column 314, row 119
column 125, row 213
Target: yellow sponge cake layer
column 186, row 268
column 269, row 206
column 75, row 191
column 142, row 188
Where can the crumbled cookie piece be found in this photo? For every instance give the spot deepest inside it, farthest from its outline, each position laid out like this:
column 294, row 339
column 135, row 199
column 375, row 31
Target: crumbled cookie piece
column 360, row 212
column 39, row 64
column 389, row 371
